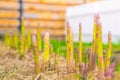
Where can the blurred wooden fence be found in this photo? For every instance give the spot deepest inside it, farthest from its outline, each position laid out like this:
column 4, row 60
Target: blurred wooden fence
column 49, row 14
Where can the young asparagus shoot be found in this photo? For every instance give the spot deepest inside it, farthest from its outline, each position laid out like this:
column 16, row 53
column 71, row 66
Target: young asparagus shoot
column 36, row 55
column 46, row 55
column 93, row 48
column 21, row 47
column 7, row 40
column 23, row 35
column 100, row 51
column 16, row 38
column 23, row 30
column 29, row 40
column 39, row 39
column 11, row 40
column 104, row 57
column 80, row 44
column 94, row 34
column 69, row 55
column 76, row 58
column 108, row 54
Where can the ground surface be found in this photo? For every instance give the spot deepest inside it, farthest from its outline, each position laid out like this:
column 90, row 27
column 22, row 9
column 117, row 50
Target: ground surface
column 13, row 68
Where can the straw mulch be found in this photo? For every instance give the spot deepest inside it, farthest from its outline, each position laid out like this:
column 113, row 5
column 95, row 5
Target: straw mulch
column 14, row 68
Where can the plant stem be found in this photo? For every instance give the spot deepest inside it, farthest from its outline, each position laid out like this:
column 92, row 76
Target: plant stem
column 16, row 40
column 108, row 54
column 46, row 55
column 69, row 55
column 39, row 39
column 29, row 40
column 36, row 55
column 100, row 51
column 80, row 45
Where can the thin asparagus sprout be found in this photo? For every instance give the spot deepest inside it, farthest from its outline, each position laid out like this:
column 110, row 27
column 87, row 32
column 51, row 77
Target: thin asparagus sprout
column 76, row 57
column 39, row 39
column 46, row 55
column 21, row 48
column 94, row 34
column 11, row 40
column 36, row 56
column 23, row 41
column 80, row 44
column 16, row 38
column 29, row 40
column 7, row 40
column 93, row 49
column 108, row 54
column 23, row 29
column 104, row 57
column 69, row 55
column 100, row 51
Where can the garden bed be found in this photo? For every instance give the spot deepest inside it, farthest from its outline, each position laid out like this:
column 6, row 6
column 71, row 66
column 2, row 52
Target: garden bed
column 14, row 68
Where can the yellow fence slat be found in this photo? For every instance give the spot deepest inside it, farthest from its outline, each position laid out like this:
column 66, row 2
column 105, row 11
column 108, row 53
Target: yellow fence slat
column 75, row 2
column 55, row 32
column 32, row 1
column 41, row 23
column 57, row 2
column 9, row 14
column 9, row 22
column 6, row 28
column 31, row 6
column 9, row 5
column 44, row 15
column 10, row 0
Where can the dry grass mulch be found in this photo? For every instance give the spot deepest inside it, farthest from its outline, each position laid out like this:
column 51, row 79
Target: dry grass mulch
column 14, row 68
